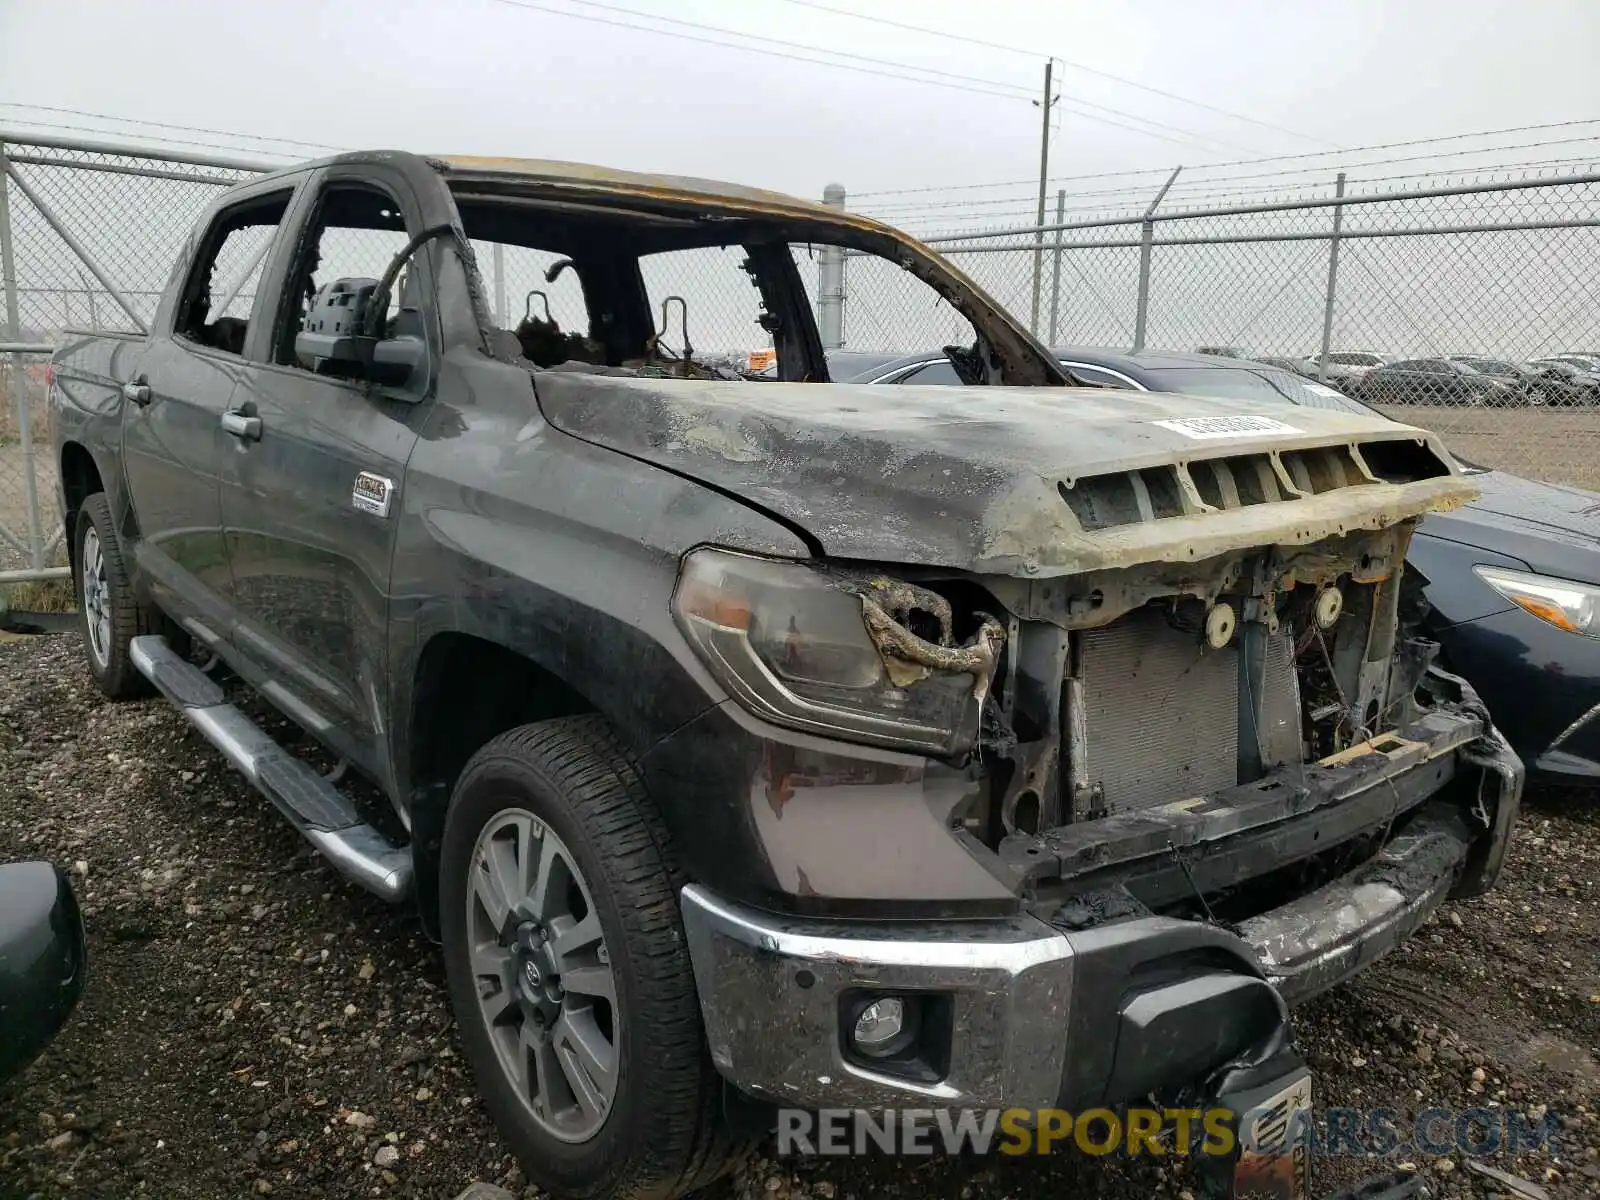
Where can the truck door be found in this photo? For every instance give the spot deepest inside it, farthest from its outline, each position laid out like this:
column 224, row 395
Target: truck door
column 173, row 401
column 311, row 473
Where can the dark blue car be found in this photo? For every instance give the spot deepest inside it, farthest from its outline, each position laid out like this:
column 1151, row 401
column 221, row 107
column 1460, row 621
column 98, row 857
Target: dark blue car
column 1513, row 578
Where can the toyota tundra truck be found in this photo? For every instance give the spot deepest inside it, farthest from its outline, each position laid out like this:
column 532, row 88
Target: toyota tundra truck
column 753, row 744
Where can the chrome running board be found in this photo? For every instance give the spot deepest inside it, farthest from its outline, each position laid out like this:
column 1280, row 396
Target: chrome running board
column 326, row 818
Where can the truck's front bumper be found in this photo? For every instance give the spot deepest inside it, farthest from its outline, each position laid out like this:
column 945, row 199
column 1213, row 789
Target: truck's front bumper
column 1025, row 1011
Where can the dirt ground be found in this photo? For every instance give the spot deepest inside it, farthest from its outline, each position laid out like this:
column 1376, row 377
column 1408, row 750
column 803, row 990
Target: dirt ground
column 253, row 1026
column 1557, row 445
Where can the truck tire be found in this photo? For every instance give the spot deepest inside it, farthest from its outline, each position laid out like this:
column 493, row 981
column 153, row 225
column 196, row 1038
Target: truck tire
column 568, row 970
column 109, row 617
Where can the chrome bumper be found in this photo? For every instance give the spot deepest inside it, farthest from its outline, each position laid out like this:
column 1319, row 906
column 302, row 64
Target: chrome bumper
column 772, row 990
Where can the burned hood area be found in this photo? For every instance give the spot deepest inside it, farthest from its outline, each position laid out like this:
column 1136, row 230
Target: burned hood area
column 1015, row 481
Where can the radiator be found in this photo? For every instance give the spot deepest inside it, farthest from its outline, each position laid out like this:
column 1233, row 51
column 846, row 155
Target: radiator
column 1162, row 712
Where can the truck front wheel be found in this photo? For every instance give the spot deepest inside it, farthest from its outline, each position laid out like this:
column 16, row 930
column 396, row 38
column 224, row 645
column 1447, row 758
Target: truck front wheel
column 568, row 972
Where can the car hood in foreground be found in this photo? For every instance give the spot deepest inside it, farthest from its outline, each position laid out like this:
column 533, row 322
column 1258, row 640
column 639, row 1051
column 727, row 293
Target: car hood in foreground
column 1016, row 481
column 1552, row 528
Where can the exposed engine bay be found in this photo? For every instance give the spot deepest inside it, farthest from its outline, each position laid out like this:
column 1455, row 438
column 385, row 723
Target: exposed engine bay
column 1105, row 720
column 1113, row 697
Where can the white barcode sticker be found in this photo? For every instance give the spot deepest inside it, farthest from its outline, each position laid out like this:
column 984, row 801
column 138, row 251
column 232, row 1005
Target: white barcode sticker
column 1205, row 428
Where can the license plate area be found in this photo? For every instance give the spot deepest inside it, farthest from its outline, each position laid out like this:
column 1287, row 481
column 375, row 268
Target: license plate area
column 1274, row 1153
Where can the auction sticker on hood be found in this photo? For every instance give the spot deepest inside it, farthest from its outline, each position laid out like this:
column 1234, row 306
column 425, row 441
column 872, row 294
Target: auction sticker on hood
column 1204, row 428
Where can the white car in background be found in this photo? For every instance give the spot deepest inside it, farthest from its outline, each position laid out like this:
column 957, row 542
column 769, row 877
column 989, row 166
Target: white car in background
column 1346, row 366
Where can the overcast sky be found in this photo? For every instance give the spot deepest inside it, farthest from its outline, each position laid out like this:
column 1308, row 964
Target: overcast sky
column 500, row 76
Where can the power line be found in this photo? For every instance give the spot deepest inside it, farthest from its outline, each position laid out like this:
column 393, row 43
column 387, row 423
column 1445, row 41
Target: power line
column 988, row 88
column 1247, row 162
column 884, row 68
column 74, row 112
column 148, row 151
column 755, row 37
column 1190, row 136
column 1077, row 66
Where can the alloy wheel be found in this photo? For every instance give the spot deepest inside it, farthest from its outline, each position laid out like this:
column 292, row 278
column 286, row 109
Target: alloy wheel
column 546, row 991
column 96, row 599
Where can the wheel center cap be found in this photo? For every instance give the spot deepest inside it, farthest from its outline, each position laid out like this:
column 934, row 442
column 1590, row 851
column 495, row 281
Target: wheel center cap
column 531, row 976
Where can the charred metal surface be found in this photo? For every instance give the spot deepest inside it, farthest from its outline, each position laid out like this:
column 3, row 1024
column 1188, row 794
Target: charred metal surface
column 1412, row 659
column 1230, row 834
column 1495, row 805
column 1032, row 785
column 1089, row 909
column 1314, row 942
column 942, row 477
column 1093, row 598
column 1085, row 798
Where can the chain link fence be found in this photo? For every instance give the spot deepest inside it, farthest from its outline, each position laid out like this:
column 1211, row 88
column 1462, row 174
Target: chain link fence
column 1473, row 311
column 1500, row 274
column 88, row 234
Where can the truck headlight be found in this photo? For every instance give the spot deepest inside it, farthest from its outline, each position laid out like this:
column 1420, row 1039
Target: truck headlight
column 822, row 651
column 1574, row 607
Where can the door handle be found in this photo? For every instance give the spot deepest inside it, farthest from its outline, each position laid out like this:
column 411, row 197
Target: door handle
column 246, row 428
column 137, row 391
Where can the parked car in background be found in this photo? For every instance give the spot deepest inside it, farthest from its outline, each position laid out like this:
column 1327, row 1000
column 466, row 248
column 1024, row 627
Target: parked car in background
column 43, row 960
column 847, row 364
column 1224, row 351
column 1514, row 582
column 1301, row 365
column 1584, row 362
column 1342, row 367
column 1534, row 383
column 1148, row 371
column 1584, row 379
column 1513, row 578
column 1432, row 381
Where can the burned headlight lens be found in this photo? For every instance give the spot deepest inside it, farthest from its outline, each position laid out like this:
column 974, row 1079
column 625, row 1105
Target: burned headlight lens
column 791, row 642
column 1565, row 604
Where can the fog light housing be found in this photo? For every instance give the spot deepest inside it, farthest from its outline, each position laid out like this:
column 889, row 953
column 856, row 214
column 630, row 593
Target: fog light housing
column 904, row 1034
column 881, row 1028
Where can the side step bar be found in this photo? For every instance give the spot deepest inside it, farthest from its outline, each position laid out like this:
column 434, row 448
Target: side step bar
column 313, row 806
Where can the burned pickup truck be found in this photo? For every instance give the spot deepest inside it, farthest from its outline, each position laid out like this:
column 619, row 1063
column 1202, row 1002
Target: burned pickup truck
column 817, row 746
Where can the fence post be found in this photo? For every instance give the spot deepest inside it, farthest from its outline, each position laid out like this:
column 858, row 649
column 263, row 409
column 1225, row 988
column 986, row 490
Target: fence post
column 1055, row 280
column 499, row 255
column 1147, row 233
column 830, row 281
column 19, row 377
column 94, row 313
column 1333, row 281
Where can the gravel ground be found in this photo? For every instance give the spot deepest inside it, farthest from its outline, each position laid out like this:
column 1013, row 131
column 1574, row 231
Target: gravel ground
column 1557, row 445
column 254, row 1026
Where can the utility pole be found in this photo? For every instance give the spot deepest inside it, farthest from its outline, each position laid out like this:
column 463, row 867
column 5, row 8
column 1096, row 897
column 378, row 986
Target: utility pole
column 830, row 280
column 1045, row 105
